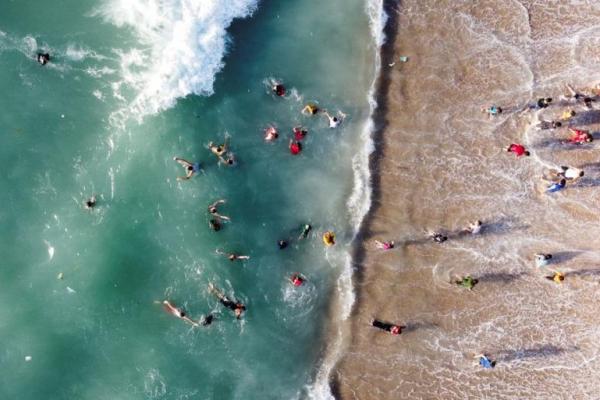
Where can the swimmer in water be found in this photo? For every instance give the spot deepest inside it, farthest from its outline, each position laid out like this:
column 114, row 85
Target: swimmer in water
column 190, row 168
column 90, row 203
column 237, row 307
column 335, row 120
column 384, row 245
column 297, row 279
column 278, row 89
column 393, row 329
column 228, row 160
column 214, row 224
column 310, row 109
column 305, row 231
column 212, row 209
column 179, row 313
column 299, row 133
column 43, row 58
column 218, row 150
column 232, row 256
column 207, row 320
column 295, row 147
column 282, row 244
column 271, row 133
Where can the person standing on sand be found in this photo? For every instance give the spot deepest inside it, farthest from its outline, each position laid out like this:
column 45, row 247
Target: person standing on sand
column 542, row 259
column 492, row 111
column 474, row 227
column 557, row 277
column 485, row 361
column 518, row 149
column 557, row 186
column 384, row 245
column 467, row 282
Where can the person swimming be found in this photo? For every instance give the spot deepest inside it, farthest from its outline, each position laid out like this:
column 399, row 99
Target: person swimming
column 295, row 147
column 329, row 238
column 271, row 133
column 179, row 313
column 306, row 228
column 297, row 280
column 299, row 133
column 278, row 89
column 334, row 120
column 282, row 244
column 237, row 307
column 43, row 58
column 214, row 224
column 218, row 150
column 391, row 328
column 207, row 320
column 212, row 209
column 232, row 256
column 90, row 203
column 190, row 168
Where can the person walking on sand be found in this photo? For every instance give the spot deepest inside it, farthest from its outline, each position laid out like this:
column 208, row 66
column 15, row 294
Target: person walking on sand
column 436, row 236
column 179, row 313
column 237, row 307
column 232, row 256
column 190, row 168
column 492, row 111
column 557, row 186
column 545, row 125
column 485, row 361
column 579, row 136
column 571, row 174
column 542, row 103
column 567, row 115
column 518, row 149
column 542, row 259
column 384, row 245
column 391, row 328
column 212, row 209
column 474, row 227
column 467, row 282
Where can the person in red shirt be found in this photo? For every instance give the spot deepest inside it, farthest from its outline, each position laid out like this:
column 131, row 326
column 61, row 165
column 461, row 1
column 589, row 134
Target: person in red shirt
column 299, row 132
column 296, row 279
column 295, row 147
column 518, row 149
column 580, row 136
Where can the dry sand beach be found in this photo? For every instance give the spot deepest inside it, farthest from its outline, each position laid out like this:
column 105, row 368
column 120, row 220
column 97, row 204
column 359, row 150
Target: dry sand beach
column 439, row 163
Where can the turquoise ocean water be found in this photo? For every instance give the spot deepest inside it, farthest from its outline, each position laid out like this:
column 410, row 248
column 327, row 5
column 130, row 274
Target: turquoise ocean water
column 132, row 84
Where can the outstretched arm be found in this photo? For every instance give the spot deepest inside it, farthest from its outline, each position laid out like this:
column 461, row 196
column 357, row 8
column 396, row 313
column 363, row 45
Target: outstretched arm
column 182, row 162
column 216, row 203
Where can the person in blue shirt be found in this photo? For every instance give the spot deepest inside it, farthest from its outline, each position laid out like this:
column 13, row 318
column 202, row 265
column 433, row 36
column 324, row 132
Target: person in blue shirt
column 485, row 361
column 555, row 187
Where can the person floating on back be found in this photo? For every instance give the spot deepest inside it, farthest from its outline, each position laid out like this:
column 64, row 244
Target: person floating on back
column 190, row 168
column 391, row 328
column 467, row 282
column 235, row 306
column 271, row 133
column 43, row 58
column 518, row 149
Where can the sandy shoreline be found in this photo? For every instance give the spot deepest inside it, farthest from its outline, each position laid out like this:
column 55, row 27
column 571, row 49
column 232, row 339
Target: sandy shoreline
column 440, row 163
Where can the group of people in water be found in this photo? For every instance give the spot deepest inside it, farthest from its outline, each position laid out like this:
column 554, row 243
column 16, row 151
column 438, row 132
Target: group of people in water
column 555, row 180
column 226, row 157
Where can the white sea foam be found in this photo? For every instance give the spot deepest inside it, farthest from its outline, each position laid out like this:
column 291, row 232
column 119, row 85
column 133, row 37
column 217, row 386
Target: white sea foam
column 182, row 44
column 358, row 205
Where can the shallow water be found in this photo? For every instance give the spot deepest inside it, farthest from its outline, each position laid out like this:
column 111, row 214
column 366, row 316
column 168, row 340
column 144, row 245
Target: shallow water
column 106, row 116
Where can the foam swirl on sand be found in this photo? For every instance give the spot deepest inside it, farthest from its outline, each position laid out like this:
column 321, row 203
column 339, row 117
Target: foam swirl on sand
column 181, row 48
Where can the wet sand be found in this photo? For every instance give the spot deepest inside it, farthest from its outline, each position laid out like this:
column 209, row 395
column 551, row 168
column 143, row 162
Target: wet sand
column 440, row 163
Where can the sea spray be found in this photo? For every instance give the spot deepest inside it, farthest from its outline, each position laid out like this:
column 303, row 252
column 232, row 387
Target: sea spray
column 183, row 44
